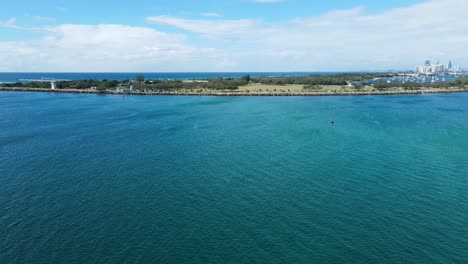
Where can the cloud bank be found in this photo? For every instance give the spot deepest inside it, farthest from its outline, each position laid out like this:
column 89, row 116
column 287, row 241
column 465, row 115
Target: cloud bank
column 101, row 48
column 339, row 40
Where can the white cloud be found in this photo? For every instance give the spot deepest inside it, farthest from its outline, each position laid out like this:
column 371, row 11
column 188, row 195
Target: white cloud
column 208, row 27
column 10, row 23
column 350, row 39
column 345, row 39
column 103, row 48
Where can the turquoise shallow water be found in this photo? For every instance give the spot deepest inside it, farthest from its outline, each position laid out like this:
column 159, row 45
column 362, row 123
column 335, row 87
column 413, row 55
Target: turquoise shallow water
column 112, row 179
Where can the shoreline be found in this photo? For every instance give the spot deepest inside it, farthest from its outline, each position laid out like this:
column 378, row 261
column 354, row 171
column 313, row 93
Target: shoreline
column 223, row 93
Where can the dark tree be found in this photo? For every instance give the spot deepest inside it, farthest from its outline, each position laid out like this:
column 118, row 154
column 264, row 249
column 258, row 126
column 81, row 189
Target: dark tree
column 140, row 79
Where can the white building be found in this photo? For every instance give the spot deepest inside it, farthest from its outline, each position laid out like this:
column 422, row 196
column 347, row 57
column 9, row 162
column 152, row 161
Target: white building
column 437, row 68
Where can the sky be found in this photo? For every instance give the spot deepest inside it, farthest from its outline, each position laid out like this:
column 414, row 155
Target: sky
column 230, row 35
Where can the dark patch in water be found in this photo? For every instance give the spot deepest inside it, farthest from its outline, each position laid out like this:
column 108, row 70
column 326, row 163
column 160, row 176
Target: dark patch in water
column 373, row 106
column 15, row 139
column 300, row 117
column 172, row 129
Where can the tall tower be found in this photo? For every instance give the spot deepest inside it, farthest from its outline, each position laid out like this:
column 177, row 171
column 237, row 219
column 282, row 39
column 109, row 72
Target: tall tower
column 449, row 65
column 427, row 63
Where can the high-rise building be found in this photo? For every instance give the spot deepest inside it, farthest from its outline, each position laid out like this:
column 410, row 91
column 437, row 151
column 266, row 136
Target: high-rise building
column 432, row 69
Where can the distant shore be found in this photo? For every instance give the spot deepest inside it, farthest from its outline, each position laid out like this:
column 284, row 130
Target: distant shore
column 234, row 93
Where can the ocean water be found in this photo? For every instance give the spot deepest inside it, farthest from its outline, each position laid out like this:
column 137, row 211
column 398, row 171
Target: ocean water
column 16, row 76
column 142, row 179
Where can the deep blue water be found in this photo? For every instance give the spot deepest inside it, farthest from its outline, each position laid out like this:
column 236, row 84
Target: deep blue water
column 16, row 76
column 142, row 179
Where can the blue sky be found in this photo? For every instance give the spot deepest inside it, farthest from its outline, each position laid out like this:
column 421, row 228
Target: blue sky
column 233, row 35
column 133, row 12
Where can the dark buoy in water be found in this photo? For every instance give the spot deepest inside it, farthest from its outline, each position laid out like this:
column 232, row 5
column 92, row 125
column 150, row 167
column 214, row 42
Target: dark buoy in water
column 332, row 122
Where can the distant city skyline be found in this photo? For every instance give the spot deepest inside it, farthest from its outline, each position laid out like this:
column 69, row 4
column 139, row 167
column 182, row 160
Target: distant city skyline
column 230, row 36
column 435, row 68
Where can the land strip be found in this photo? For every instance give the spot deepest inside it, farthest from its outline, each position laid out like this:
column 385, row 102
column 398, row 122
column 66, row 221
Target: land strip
column 240, row 92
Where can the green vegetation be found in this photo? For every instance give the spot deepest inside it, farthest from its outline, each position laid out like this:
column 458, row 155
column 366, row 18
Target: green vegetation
column 313, row 87
column 140, row 79
column 343, row 82
column 108, row 84
column 247, row 78
column 226, row 84
column 43, row 85
column 460, row 82
column 320, row 79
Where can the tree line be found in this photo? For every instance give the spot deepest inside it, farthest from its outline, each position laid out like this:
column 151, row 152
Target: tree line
column 310, row 82
column 320, row 79
column 460, row 82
